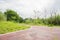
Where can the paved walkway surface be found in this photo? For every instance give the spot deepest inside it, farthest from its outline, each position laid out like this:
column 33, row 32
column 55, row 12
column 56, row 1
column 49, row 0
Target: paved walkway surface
column 34, row 33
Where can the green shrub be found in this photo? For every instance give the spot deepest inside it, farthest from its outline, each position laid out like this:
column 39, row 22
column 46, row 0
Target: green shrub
column 2, row 17
column 54, row 20
column 6, row 27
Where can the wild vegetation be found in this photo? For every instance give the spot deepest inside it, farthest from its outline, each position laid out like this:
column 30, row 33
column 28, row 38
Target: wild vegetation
column 6, row 27
column 11, row 21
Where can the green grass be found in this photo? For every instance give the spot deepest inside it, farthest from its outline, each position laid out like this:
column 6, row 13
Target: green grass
column 6, row 27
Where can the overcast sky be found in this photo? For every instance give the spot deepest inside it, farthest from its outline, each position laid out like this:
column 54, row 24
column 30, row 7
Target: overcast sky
column 25, row 7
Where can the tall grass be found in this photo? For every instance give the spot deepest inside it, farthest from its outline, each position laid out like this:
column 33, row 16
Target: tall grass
column 6, row 27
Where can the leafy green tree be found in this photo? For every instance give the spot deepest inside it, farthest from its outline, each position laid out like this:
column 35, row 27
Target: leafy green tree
column 21, row 20
column 12, row 16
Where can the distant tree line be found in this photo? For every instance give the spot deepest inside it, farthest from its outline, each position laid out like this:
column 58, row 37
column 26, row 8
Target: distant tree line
column 11, row 15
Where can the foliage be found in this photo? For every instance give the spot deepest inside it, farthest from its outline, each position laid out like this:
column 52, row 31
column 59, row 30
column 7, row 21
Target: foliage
column 6, row 27
column 12, row 16
column 21, row 20
column 2, row 16
column 38, row 21
column 55, row 20
column 28, row 20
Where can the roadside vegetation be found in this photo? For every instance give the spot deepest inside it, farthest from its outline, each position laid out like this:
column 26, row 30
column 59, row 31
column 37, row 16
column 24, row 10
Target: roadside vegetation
column 6, row 27
column 10, row 21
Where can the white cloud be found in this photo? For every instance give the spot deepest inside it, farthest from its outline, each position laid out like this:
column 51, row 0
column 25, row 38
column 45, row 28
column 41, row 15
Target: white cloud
column 26, row 7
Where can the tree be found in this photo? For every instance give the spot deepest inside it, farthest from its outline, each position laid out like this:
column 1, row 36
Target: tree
column 2, row 16
column 21, row 20
column 12, row 16
column 28, row 20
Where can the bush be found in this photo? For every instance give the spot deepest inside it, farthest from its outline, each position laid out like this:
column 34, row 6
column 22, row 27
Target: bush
column 28, row 20
column 54, row 20
column 2, row 17
column 6, row 27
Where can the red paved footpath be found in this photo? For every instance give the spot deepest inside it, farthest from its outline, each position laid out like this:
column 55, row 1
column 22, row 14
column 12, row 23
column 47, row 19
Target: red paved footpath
column 34, row 33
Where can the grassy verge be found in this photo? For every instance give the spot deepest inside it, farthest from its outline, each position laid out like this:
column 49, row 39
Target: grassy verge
column 48, row 25
column 6, row 27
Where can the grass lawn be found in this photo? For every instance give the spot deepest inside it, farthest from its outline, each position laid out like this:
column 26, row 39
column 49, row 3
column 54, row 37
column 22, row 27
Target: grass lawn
column 6, row 27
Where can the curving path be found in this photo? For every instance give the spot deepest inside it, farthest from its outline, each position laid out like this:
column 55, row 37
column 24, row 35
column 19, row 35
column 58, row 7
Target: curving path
column 34, row 33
